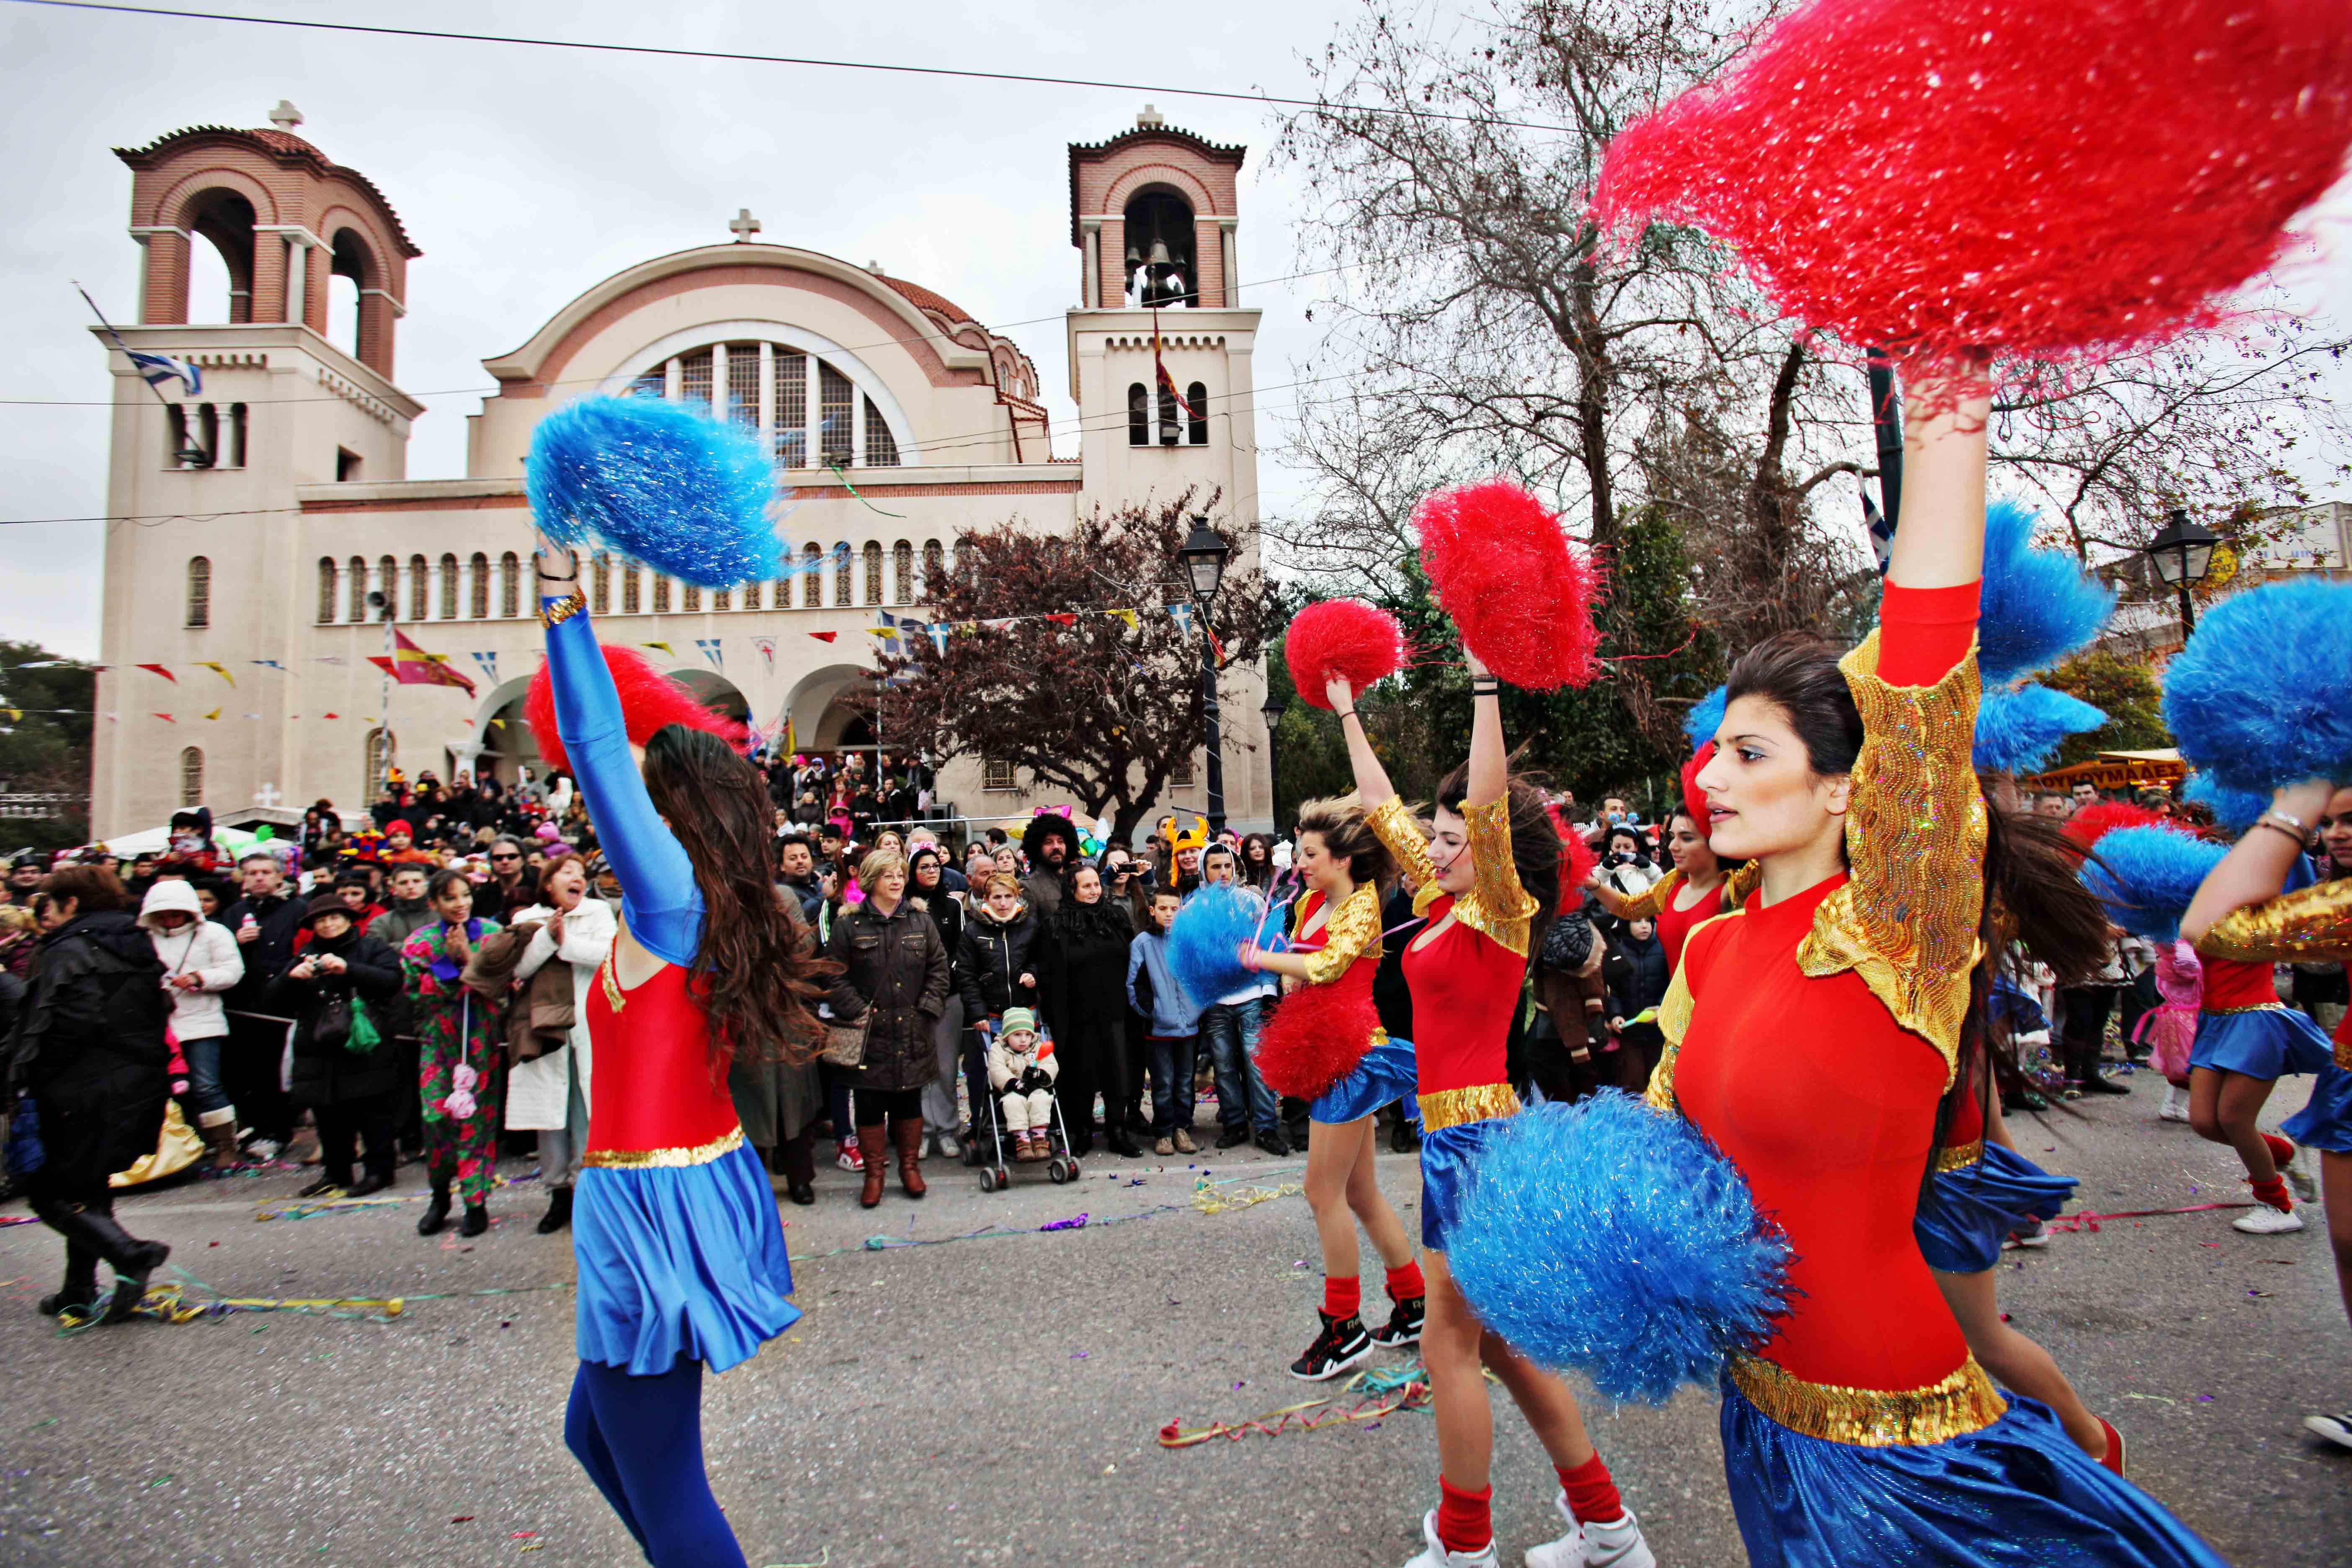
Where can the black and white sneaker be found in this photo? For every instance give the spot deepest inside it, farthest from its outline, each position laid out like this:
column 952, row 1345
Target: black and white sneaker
column 1403, row 1327
column 1340, row 1346
column 2334, row 1429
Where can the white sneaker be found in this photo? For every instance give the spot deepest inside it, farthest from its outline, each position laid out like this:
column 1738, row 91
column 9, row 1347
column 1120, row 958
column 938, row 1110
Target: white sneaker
column 2305, row 1189
column 949, row 1147
column 1435, row 1555
column 2267, row 1221
column 1613, row 1545
column 2334, row 1429
column 2172, row 1109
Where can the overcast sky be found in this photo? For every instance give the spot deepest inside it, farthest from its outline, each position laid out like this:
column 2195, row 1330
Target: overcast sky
column 528, row 174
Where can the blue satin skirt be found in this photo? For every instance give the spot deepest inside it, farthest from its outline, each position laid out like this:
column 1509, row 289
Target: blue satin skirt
column 1386, row 1073
column 2265, row 1043
column 679, row 1261
column 2327, row 1121
column 2019, row 1492
column 1446, row 1157
column 1967, row 1212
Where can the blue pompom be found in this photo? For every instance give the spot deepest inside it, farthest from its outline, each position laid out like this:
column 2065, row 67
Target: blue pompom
column 2039, row 606
column 2262, row 693
column 2019, row 729
column 2235, row 809
column 659, row 482
column 1602, row 1235
column 2147, row 876
column 1705, row 717
column 1207, row 933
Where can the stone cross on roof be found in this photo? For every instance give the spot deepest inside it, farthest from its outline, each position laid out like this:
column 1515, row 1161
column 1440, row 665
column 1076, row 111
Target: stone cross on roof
column 286, row 117
column 744, row 225
column 1150, row 120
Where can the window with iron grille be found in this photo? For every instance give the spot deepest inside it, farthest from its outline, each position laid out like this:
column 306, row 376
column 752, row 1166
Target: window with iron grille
column 934, row 562
column 359, row 588
column 881, row 451
column 387, row 582
column 654, row 383
column 200, row 591
column 835, row 440
column 811, row 578
column 902, row 572
column 844, row 590
column 192, row 776
column 448, row 587
column 792, row 409
column 691, row 600
column 630, row 603
column 873, row 572
column 661, row 595
column 511, row 585
column 1179, row 774
column 478, row 601
column 326, row 589
column 997, row 776
column 694, row 377
column 600, row 587
column 743, row 383
column 419, row 586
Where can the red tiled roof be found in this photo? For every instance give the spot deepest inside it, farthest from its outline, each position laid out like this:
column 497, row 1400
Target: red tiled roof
column 285, row 146
column 923, row 298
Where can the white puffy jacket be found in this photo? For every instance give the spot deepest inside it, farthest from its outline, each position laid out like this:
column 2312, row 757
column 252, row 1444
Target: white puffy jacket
column 200, row 947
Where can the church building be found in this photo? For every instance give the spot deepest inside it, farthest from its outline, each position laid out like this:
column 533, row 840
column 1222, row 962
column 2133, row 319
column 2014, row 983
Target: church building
column 292, row 527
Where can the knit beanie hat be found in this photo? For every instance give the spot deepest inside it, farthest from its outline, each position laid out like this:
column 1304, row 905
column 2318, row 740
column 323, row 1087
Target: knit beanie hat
column 1018, row 1018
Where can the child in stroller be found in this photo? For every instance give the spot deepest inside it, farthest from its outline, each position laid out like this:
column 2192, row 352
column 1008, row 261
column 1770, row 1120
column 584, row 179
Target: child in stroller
column 1022, row 1068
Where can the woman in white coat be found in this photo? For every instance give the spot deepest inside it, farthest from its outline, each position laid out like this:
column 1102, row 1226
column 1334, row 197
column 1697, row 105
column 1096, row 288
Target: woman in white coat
column 548, row 1093
column 199, row 961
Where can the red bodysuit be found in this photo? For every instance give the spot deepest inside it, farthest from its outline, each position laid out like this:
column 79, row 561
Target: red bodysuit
column 1812, row 1038
column 654, row 1101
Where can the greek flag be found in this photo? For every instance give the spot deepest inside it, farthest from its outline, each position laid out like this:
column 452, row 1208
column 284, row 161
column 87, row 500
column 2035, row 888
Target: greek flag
column 157, row 369
column 1882, row 533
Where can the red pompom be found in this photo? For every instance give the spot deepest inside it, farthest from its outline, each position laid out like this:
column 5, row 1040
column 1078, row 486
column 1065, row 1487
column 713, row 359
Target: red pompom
column 649, row 700
column 2088, row 826
column 2039, row 176
column 1693, row 797
column 1317, row 1035
column 1503, row 569
column 1578, row 860
column 1345, row 637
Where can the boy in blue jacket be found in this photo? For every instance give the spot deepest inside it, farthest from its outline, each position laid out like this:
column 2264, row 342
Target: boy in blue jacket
column 1175, row 1035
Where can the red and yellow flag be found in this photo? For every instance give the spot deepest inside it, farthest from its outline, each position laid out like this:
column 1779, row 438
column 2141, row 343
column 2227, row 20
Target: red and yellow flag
column 412, row 666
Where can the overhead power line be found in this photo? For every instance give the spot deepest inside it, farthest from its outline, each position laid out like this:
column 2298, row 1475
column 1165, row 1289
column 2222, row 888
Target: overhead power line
column 748, row 57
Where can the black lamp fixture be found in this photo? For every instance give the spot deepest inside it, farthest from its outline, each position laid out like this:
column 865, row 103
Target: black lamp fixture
column 1271, row 711
column 1205, row 555
column 2182, row 553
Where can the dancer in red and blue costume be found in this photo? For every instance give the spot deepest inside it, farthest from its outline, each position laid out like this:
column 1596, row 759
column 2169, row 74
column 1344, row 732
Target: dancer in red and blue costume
column 1484, row 882
column 681, row 1256
column 1815, row 1035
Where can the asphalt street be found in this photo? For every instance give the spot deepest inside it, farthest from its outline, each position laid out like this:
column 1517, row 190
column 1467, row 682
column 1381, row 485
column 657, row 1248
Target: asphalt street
column 1000, row 1399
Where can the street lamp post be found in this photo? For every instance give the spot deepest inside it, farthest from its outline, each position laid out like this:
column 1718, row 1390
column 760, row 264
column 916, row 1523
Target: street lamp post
column 1272, row 711
column 2182, row 552
column 1205, row 555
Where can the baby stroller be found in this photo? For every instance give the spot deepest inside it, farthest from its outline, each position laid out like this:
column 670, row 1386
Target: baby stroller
column 994, row 1173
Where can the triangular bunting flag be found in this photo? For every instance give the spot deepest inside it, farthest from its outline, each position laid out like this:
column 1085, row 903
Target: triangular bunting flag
column 1127, row 615
column 1183, row 613
column 162, row 671
column 767, row 646
column 710, row 650
column 217, row 668
column 165, row 717
column 663, row 646
column 268, row 663
column 825, row 637
column 213, row 715
column 1062, row 620
column 490, row 663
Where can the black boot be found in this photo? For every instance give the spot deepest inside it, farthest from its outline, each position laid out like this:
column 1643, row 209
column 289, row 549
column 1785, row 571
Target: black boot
column 378, row 1177
column 131, row 1258
column 79, row 1292
column 436, row 1213
column 476, row 1220
column 559, row 1212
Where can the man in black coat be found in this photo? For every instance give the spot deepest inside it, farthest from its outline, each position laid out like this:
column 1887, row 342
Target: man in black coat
column 89, row 1046
column 1051, row 845
column 264, row 923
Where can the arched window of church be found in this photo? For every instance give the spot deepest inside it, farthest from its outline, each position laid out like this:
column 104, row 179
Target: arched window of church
column 881, row 451
column 743, row 383
column 835, row 441
column 192, row 776
column 661, row 595
column 791, row 408
column 387, row 583
column 326, row 590
column 448, row 587
column 844, row 587
column 376, row 757
column 752, row 594
column 630, row 604
column 811, row 578
column 600, row 587
column 873, row 555
column 477, row 596
column 691, row 598
column 1196, row 398
column 723, row 599
column 1168, row 432
column 510, row 584
column 200, row 591
column 1138, row 415
column 933, row 560
column 694, row 377
column 419, row 584
column 902, row 573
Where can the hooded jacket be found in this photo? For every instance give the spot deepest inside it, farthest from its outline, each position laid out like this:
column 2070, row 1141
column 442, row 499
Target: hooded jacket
column 199, row 948
column 89, row 1044
column 992, row 958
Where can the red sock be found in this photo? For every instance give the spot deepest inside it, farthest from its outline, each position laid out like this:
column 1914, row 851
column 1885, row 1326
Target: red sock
column 1406, row 1283
column 2273, row 1193
column 1464, row 1521
column 1592, row 1492
column 2281, row 1151
column 1343, row 1295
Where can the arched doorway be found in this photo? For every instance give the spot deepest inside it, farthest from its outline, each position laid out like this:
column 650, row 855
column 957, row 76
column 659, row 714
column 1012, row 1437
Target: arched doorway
column 832, row 709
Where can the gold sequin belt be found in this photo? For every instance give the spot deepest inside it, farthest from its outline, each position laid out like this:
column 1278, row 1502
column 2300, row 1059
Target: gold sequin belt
column 2251, row 1007
column 1959, row 1156
column 1962, row 1403
column 647, row 1159
column 1479, row 1103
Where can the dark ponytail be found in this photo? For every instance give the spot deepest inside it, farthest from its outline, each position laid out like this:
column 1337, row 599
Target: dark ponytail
column 1535, row 843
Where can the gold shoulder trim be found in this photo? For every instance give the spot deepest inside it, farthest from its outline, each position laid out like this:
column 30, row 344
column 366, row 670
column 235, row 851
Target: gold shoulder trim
column 1964, row 1402
column 2310, row 925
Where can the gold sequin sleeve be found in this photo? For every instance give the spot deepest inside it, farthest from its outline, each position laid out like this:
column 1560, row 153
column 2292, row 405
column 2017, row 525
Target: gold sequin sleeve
column 1399, row 835
column 1645, row 905
column 2310, row 925
column 1915, row 838
column 1497, row 905
column 1352, row 930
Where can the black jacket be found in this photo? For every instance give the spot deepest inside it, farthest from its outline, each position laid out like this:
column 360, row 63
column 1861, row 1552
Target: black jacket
column 1085, row 971
column 990, row 960
column 948, row 916
column 1635, row 973
column 90, row 1046
column 267, row 957
column 1391, row 997
column 335, row 1074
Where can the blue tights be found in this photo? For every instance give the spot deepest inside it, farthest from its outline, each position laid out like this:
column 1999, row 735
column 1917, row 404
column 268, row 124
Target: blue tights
column 640, row 1440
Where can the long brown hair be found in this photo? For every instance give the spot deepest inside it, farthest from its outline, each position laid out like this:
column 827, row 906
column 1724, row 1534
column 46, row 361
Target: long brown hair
column 753, row 973
column 1535, row 843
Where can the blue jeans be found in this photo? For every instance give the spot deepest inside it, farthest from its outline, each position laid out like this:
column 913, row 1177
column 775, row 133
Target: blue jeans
column 205, row 1092
column 1230, row 1030
column 1173, row 1060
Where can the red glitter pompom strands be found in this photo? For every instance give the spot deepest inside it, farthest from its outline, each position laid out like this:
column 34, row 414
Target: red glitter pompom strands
column 649, row 700
column 2040, row 177
column 1520, row 596
column 1345, row 637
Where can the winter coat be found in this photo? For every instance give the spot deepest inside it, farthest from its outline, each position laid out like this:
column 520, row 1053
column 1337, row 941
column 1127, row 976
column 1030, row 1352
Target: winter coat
column 1159, row 995
column 993, row 957
column 1006, row 1066
column 199, row 948
column 334, row 1074
column 267, row 957
column 1635, row 973
column 895, row 968
column 542, row 1068
column 1086, row 973
column 947, row 915
column 89, row 1044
